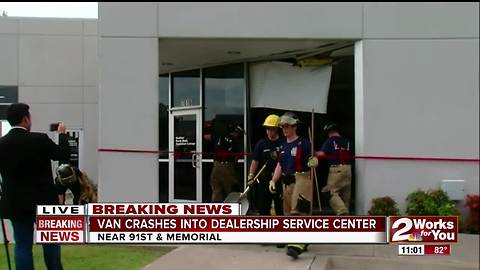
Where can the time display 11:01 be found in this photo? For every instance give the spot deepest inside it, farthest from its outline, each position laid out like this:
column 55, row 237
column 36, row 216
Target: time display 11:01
column 411, row 250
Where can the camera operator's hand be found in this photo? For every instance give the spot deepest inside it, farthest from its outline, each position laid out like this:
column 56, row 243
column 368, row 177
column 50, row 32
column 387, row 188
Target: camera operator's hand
column 61, row 128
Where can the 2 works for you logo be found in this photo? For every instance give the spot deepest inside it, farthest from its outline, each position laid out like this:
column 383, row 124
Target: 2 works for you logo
column 424, row 229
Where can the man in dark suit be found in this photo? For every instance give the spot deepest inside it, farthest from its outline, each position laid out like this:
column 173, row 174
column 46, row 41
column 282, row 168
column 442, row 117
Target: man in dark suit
column 27, row 181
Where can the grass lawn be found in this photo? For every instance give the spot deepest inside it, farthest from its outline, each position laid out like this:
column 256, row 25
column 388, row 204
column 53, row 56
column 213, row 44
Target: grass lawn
column 90, row 257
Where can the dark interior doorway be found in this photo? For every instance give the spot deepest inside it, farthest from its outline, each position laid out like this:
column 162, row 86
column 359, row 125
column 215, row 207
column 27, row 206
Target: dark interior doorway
column 340, row 109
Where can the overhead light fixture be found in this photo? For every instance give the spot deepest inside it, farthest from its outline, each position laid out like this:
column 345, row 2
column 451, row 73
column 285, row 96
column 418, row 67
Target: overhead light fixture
column 233, row 52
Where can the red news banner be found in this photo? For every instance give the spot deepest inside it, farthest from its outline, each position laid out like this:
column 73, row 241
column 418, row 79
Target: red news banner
column 197, row 229
column 196, row 223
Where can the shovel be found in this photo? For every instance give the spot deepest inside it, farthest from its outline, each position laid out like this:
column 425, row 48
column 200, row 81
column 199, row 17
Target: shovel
column 241, row 197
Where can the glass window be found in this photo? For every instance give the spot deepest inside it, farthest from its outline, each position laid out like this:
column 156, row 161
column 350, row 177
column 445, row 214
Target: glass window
column 163, row 181
column 163, row 115
column 163, row 89
column 186, row 88
column 4, row 127
column 185, row 145
column 8, row 94
column 3, row 112
column 224, row 93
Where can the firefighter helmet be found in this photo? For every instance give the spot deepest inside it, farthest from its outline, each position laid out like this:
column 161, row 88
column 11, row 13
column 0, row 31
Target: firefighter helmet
column 66, row 175
column 271, row 121
column 289, row 118
column 231, row 128
column 330, row 127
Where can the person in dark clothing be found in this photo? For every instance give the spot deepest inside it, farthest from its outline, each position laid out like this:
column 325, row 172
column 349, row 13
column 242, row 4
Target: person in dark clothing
column 266, row 153
column 336, row 149
column 27, row 181
column 223, row 176
column 82, row 188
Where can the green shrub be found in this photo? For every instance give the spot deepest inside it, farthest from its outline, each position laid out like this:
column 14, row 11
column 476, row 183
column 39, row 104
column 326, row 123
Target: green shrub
column 383, row 206
column 473, row 222
column 431, row 203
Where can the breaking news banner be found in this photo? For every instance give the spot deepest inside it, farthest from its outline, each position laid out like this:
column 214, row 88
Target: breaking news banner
column 191, row 223
column 422, row 250
column 60, row 224
column 241, row 230
column 163, row 209
column 424, row 229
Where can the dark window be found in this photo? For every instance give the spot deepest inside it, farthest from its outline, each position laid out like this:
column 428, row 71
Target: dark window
column 224, row 93
column 8, row 94
column 3, row 112
column 185, row 142
column 163, row 181
column 163, row 89
column 163, row 116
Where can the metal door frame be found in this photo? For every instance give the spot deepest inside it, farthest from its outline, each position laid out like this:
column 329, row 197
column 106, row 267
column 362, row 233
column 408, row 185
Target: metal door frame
column 196, row 158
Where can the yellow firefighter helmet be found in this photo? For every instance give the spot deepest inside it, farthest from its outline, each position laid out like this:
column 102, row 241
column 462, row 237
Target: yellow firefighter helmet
column 271, row 121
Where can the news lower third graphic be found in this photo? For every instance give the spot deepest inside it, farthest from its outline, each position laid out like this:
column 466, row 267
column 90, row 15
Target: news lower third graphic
column 424, row 229
column 221, row 223
column 423, row 250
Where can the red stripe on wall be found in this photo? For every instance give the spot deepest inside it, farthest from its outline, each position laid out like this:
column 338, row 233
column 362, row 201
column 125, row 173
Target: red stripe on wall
column 444, row 159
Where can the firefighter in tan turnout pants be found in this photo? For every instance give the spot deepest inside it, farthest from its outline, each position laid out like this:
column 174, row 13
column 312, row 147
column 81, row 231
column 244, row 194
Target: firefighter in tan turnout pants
column 223, row 177
column 336, row 149
column 294, row 173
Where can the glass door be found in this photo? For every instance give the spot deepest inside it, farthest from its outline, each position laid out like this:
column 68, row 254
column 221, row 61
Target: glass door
column 185, row 173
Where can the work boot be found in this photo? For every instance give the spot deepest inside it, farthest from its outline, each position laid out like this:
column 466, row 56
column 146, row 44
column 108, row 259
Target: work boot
column 337, row 204
column 294, row 252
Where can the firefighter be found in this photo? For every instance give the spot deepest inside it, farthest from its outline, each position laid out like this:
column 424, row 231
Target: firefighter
column 266, row 154
column 294, row 173
column 82, row 188
column 224, row 177
column 336, row 149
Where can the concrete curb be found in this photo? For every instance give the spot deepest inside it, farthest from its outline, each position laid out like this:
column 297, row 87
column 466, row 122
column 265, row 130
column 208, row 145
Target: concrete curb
column 319, row 257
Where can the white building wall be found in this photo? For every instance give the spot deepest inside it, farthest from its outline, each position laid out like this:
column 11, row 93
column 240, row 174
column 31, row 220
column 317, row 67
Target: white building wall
column 260, row 20
column 129, row 101
column 129, row 119
column 54, row 64
column 420, row 98
column 416, row 89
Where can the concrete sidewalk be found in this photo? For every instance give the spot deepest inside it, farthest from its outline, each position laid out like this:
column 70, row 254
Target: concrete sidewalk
column 319, row 257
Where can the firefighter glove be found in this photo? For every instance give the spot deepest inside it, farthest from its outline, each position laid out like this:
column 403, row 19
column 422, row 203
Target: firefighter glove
column 251, row 180
column 312, row 162
column 271, row 187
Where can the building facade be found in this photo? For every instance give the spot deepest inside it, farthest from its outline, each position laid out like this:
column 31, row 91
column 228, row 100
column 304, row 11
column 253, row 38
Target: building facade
column 51, row 64
column 402, row 77
column 415, row 83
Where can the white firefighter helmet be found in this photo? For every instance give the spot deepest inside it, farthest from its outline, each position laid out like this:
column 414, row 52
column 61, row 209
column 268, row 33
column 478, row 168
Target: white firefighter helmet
column 289, row 118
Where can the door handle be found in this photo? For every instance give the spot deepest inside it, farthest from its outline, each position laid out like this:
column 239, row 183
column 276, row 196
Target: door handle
column 194, row 160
